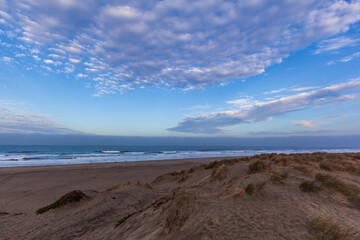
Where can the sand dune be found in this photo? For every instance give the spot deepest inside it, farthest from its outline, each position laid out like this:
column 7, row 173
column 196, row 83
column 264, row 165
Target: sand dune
column 269, row 196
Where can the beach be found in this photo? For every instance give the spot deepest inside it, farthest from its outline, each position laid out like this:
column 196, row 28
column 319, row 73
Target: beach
column 25, row 189
column 268, row 196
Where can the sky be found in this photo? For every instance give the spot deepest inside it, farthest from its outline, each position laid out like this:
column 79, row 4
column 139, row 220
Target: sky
column 182, row 68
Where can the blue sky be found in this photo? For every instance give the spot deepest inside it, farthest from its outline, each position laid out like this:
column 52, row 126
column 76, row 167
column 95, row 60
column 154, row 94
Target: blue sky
column 180, row 68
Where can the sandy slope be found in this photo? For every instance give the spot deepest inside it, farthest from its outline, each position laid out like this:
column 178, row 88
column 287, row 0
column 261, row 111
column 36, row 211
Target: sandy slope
column 212, row 202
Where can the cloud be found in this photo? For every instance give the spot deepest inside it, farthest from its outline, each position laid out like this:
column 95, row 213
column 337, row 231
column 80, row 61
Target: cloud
column 306, row 123
column 291, row 133
column 336, row 43
column 14, row 120
column 188, row 44
column 7, row 59
column 345, row 59
column 262, row 111
column 290, row 89
column 350, row 57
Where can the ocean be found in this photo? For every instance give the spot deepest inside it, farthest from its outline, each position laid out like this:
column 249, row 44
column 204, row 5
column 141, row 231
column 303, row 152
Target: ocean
column 13, row 156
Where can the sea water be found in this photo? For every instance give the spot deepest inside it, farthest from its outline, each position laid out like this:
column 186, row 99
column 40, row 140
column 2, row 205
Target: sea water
column 12, row 156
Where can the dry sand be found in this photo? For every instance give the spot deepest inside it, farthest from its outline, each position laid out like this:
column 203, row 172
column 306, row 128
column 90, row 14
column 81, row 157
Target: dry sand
column 25, row 189
column 245, row 198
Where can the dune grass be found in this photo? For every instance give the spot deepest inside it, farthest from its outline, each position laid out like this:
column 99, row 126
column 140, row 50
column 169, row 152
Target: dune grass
column 327, row 228
column 279, row 177
column 73, row 196
column 256, row 188
column 309, row 186
column 179, row 212
column 256, row 166
column 220, row 173
column 350, row 191
column 121, row 221
column 224, row 162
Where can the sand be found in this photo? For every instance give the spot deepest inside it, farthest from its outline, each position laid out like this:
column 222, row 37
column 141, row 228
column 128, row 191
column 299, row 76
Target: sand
column 25, row 189
column 242, row 198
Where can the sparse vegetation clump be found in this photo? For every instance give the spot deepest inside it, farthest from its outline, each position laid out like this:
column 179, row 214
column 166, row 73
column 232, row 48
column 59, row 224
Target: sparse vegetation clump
column 325, row 166
column 234, row 192
column 353, row 170
column 117, row 186
column 303, row 169
column 121, row 221
column 309, row 186
column 256, row 166
column 279, row 177
column 179, row 212
column 220, row 173
column 350, row 191
column 148, row 185
column 255, row 189
column 73, row 196
column 328, row 229
column 333, row 182
column 224, row 162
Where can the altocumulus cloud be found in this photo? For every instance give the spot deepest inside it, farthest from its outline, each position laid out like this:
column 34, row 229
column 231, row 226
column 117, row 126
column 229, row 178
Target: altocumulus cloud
column 172, row 43
column 262, row 111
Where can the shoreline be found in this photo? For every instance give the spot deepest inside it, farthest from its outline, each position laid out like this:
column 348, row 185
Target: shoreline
column 27, row 188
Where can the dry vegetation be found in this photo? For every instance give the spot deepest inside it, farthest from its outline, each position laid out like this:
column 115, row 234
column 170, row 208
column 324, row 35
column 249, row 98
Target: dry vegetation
column 179, row 212
column 73, row 196
column 309, row 186
column 256, row 188
column 327, row 228
column 256, row 166
column 237, row 199
column 279, row 177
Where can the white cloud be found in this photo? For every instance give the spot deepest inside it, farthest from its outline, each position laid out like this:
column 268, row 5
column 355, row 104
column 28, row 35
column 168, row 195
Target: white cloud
column 336, row 43
column 262, row 111
column 55, row 63
column 188, row 44
column 350, row 57
column 80, row 75
column 14, row 120
column 306, row 123
column 7, row 59
column 74, row 61
column 290, row 89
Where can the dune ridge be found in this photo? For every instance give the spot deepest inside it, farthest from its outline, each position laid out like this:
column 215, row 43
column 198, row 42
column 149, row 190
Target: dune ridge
column 267, row 196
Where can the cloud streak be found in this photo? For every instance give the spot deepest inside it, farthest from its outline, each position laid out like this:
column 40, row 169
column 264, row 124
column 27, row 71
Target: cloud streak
column 14, row 120
column 187, row 44
column 262, row 111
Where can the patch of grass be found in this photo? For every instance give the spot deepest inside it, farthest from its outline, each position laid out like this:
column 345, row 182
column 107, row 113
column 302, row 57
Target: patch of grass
column 328, row 229
column 220, row 173
column 114, row 187
column 121, row 221
column 350, row 191
column 303, row 169
column 148, row 185
column 309, row 186
column 234, row 192
column 256, row 166
column 73, row 196
column 353, row 170
column 179, row 212
column 325, row 166
column 224, row 162
column 333, row 182
column 279, row 177
column 255, row 189
column 117, row 186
